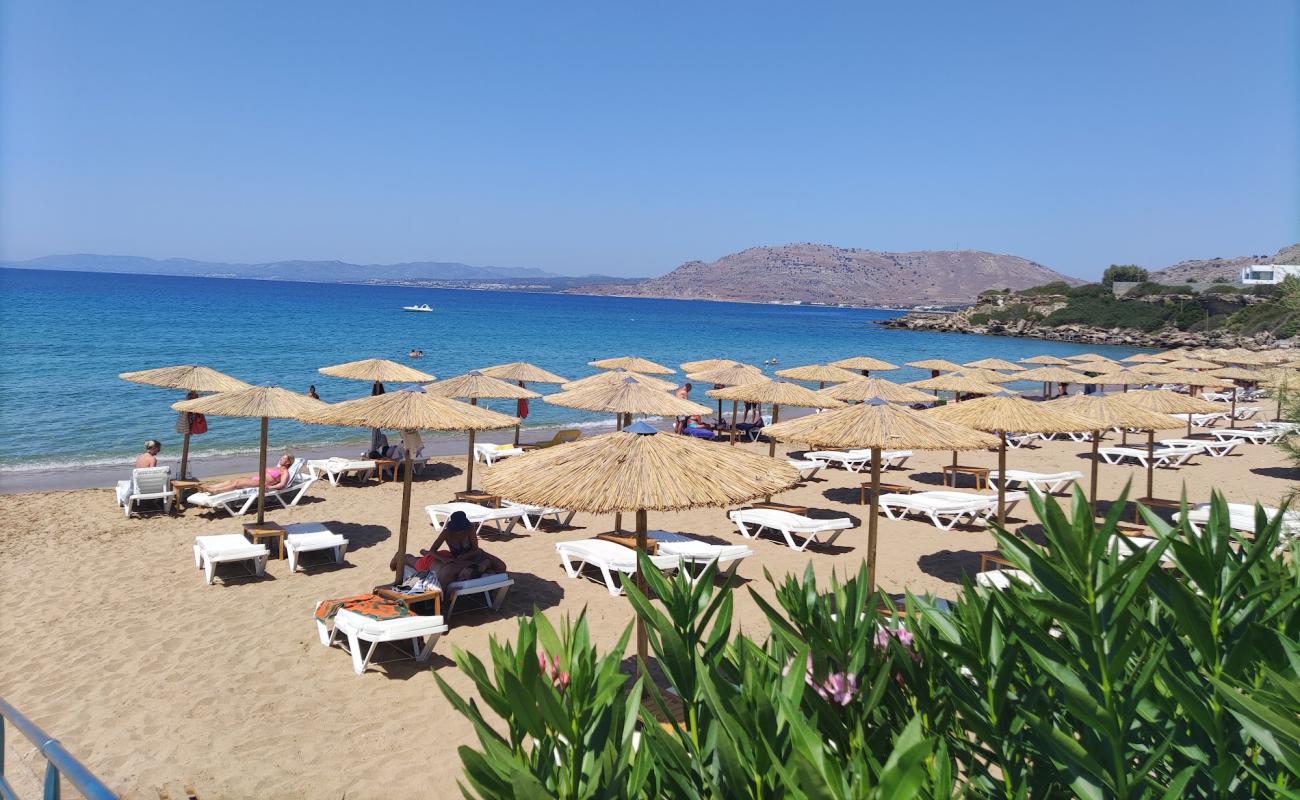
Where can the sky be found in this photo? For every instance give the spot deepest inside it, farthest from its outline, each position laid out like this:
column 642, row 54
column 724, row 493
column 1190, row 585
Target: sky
column 627, row 138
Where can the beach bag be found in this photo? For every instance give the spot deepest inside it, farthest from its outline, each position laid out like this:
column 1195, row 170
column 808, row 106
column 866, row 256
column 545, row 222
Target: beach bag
column 198, row 424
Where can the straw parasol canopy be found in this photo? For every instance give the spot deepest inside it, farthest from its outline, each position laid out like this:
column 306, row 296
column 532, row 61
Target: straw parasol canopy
column 865, row 364
column 376, row 370
column 1050, row 375
column 261, row 402
column 877, row 425
column 1193, row 363
column 1112, row 412
column 986, row 375
column 733, row 375
column 1236, row 374
column 957, row 383
column 632, row 364
column 1192, row 378
column 1173, row 355
column 864, row 389
column 777, row 393
column 522, row 372
column 821, row 373
column 935, row 365
column 627, row 397
column 1123, row 377
column 1005, row 413
column 993, row 364
column 474, row 386
column 1164, row 401
column 706, row 364
column 409, row 410
column 187, row 378
column 1086, row 357
column 1143, row 358
column 638, row 470
column 617, row 376
column 1046, row 361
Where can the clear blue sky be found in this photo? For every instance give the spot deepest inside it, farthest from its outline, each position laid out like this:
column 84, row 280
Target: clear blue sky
column 626, row 138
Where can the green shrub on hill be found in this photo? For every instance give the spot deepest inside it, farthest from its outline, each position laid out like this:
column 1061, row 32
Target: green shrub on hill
column 1124, row 273
column 1106, row 311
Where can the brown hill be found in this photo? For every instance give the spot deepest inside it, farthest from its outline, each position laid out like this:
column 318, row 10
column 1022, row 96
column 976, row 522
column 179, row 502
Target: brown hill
column 1210, row 270
column 815, row 273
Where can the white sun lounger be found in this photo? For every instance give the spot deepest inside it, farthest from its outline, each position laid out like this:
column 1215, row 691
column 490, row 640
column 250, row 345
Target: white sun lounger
column 946, row 510
column 241, row 501
column 1203, row 420
column 1048, row 483
column 1001, row 579
column 337, row 468
column 807, row 467
column 146, row 483
column 1022, row 439
column 1284, row 427
column 608, row 557
column 696, row 555
column 311, row 537
column 490, row 589
column 479, row 515
column 858, row 460
column 209, row 551
column 1213, row 449
column 1245, row 412
column 1257, row 436
column 533, row 516
column 422, row 632
column 753, row 521
column 490, row 453
column 1164, row 456
column 1241, row 516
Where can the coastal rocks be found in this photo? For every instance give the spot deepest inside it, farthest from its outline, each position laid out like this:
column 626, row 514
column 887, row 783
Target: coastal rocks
column 960, row 322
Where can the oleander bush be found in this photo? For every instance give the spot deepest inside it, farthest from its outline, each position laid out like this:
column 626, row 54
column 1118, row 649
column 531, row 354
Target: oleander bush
column 1171, row 673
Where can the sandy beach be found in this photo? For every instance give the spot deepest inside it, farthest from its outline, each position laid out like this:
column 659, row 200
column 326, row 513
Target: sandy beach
column 164, row 686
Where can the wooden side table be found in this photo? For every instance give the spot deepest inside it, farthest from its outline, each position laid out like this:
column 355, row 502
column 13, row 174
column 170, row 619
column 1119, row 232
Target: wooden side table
column 412, row 598
column 980, row 474
column 479, row 498
column 382, row 464
column 885, row 488
column 1154, row 503
column 256, row 532
column 799, row 510
column 183, row 489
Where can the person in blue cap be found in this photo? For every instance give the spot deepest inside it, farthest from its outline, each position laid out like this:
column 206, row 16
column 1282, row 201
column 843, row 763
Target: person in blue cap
column 462, row 560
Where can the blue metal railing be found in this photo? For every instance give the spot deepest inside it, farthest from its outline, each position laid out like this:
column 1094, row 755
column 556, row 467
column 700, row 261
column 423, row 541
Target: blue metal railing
column 58, row 761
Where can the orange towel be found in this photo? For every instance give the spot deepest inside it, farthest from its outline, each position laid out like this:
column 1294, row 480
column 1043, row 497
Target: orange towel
column 369, row 605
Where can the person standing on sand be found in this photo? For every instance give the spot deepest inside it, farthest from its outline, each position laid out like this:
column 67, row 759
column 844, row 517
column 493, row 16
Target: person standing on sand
column 683, row 393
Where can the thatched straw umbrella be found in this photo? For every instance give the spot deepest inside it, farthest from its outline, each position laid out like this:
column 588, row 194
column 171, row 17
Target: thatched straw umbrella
column 1173, row 355
column 260, row 402
column 1193, row 363
column 1052, row 375
column 707, row 364
column 410, row 410
column 376, row 370
column 638, row 470
column 864, row 389
column 986, row 375
column 1046, row 361
column 935, row 365
column 777, row 393
column 1162, row 401
column 1238, row 376
column 734, row 375
column 1006, row 413
column 1195, row 381
column 957, row 383
column 632, row 364
column 877, row 425
column 864, row 363
column 1112, row 414
column 475, row 386
column 1123, row 377
column 993, row 364
column 522, row 372
column 1143, row 358
column 617, row 375
column 1084, row 358
column 821, row 373
column 187, row 378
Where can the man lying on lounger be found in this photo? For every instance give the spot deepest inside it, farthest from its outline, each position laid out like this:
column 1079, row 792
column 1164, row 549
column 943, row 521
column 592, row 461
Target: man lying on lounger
column 463, row 560
column 277, row 478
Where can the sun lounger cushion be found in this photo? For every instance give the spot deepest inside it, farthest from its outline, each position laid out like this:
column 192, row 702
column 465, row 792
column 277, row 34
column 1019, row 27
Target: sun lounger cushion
column 310, row 537
column 364, row 634
column 609, row 558
column 209, row 551
column 751, row 522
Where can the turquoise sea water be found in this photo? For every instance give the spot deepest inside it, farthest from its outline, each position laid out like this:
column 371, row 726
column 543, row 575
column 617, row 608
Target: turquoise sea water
column 67, row 335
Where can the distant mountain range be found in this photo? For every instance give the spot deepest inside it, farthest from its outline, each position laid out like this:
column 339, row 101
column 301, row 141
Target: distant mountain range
column 1210, row 270
column 818, row 273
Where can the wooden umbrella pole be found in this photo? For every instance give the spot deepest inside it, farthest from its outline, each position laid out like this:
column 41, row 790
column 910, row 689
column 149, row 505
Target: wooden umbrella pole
column 1151, row 463
column 642, row 647
column 185, row 454
column 1092, row 487
column 406, row 518
column 776, row 416
column 1002, row 479
column 469, row 465
column 261, row 477
column 618, row 516
column 1189, row 426
column 1232, row 417
column 733, row 421
column 873, row 521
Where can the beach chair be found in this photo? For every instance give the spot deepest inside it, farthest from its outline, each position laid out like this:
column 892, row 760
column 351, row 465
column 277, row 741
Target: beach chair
column 1018, row 440
column 1256, row 436
column 146, row 484
column 209, row 551
column 1046, row 483
column 418, row 461
column 478, row 515
column 491, row 590
column 695, row 555
column 336, row 468
column 492, row 453
column 560, row 437
column 1175, row 456
column 1203, row 420
column 610, row 558
column 945, row 510
column 1001, row 579
column 311, row 537
column 1241, row 516
column 1213, row 449
column 858, row 460
column 422, row 632
column 533, row 516
column 1080, row 436
column 240, row 501
column 1283, row 428
column 753, row 521
column 807, row 467
column 1245, row 412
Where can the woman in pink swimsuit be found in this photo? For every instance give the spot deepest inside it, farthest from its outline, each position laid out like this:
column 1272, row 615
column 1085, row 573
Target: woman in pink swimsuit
column 276, row 478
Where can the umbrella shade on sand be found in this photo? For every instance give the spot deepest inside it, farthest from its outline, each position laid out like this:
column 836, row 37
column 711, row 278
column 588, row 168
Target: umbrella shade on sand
column 186, row 378
column 864, row 389
column 260, row 402
column 822, row 374
column 877, row 425
column 409, row 410
column 376, row 370
column 935, row 365
column 1006, row 413
column 957, row 383
column 632, row 364
column 617, row 376
column 993, row 364
column 707, row 364
column 865, row 364
column 776, row 393
column 475, row 386
column 522, row 372
column 1052, row 375
column 1112, row 412
column 734, row 375
column 638, row 470
column 1046, row 361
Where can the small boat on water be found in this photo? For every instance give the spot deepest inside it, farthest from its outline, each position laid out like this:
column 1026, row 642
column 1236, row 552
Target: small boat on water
column 423, row 307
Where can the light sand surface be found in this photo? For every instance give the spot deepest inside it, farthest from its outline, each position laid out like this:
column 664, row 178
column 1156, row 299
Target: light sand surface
column 114, row 645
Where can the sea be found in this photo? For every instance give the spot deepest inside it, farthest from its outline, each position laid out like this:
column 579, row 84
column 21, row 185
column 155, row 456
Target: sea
column 67, row 335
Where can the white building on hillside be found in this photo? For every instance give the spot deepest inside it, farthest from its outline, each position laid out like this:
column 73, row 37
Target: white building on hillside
column 1268, row 274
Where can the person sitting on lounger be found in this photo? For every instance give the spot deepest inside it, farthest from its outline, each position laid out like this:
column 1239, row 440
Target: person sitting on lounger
column 149, row 458
column 277, row 478
column 463, row 560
